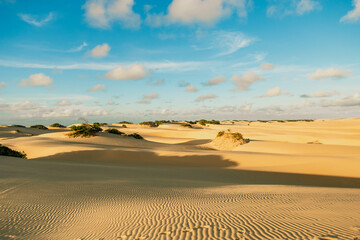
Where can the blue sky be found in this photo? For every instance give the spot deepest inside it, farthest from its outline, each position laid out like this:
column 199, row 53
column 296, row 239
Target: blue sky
column 112, row 60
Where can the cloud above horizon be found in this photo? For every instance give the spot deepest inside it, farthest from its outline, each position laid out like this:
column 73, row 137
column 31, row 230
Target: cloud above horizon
column 190, row 88
column 102, row 13
column 353, row 15
column 275, row 91
column 216, row 80
column 320, row 94
column 328, row 73
column 97, row 87
column 281, row 8
column 245, row 81
column 267, row 66
column 100, row 51
column 36, row 20
column 38, row 79
column 133, row 72
column 205, row 97
column 205, row 12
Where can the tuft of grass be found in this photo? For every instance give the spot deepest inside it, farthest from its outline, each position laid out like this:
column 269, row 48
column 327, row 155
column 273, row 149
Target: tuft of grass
column 186, row 125
column 135, row 135
column 42, row 127
column 85, row 130
column 57, row 125
column 5, row 151
column 114, row 131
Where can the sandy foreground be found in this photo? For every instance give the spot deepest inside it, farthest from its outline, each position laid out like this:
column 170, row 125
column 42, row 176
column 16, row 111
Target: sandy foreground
column 283, row 184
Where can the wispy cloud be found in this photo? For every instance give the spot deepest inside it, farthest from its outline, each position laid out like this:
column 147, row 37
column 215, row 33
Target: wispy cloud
column 353, row 15
column 36, row 20
column 164, row 66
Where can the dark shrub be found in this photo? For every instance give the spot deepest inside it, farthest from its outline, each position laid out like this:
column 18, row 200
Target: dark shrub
column 114, row 131
column 203, row 122
column 85, row 130
column 57, row 125
column 135, row 135
column 220, row 134
column 161, row 122
column 20, row 126
column 5, row 151
column 39, row 127
column 149, row 123
column 125, row 122
column 186, row 125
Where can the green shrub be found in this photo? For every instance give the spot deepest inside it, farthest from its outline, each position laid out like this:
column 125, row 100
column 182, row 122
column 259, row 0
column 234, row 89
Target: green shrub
column 57, row 125
column 192, row 122
column 161, row 122
column 20, row 126
column 203, row 122
column 85, row 130
column 220, row 134
column 135, row 135
column 186, row 125
column 42, row 127
column 237, row 136
column 149, row 123
column 114, row 131
column 125, row 122
column 5, row 151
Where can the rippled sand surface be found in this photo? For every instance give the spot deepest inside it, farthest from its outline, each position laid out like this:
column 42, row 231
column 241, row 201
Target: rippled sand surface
column 69, row 200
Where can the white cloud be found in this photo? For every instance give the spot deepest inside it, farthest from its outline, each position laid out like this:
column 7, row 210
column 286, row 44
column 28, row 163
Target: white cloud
column 245, row 81
column 164, row 66
column 111, row 102
column 102, row 13
column 320, row 94
column 295, row 7
column 273, row 92
column 133, row 72
column 267, row 66
column 100, row 51
column 63, row 103
column 205, row 97
column 38, row 79
column 143, row 101
column 97, row 87
column 151, row 96
column 198, row 11
column 353, row 15
column 216, row 80
column 2, row 85
column 190, row 88
column 231, row 42
column 344, row 101
column 79, row 48
column 328, row 73
column 36, row 20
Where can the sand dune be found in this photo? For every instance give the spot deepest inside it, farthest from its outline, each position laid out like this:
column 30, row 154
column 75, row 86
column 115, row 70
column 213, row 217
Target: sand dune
column 173, row 185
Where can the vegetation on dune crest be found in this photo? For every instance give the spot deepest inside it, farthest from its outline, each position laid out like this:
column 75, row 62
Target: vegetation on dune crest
column 42, row 127
column 57, row 125
column 5, row 151
column 114, row 131
column 85, row 130
column 203, row 122
column 186, row 125
column 154, row 124
column 135, row 135
column 15, row 125
column 125, row 122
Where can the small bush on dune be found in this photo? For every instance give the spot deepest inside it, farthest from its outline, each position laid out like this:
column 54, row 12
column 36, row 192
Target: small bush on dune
column 220, row 134
column 203, row 122
column 85, row 130
column 186, row 125
column 5, row 151
column 42, row 127
column 125, row 122
column 135, row 135
column 20, row 126
column 57, row 125
column 149, row 123
column 158, row 122
column 114, row 131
